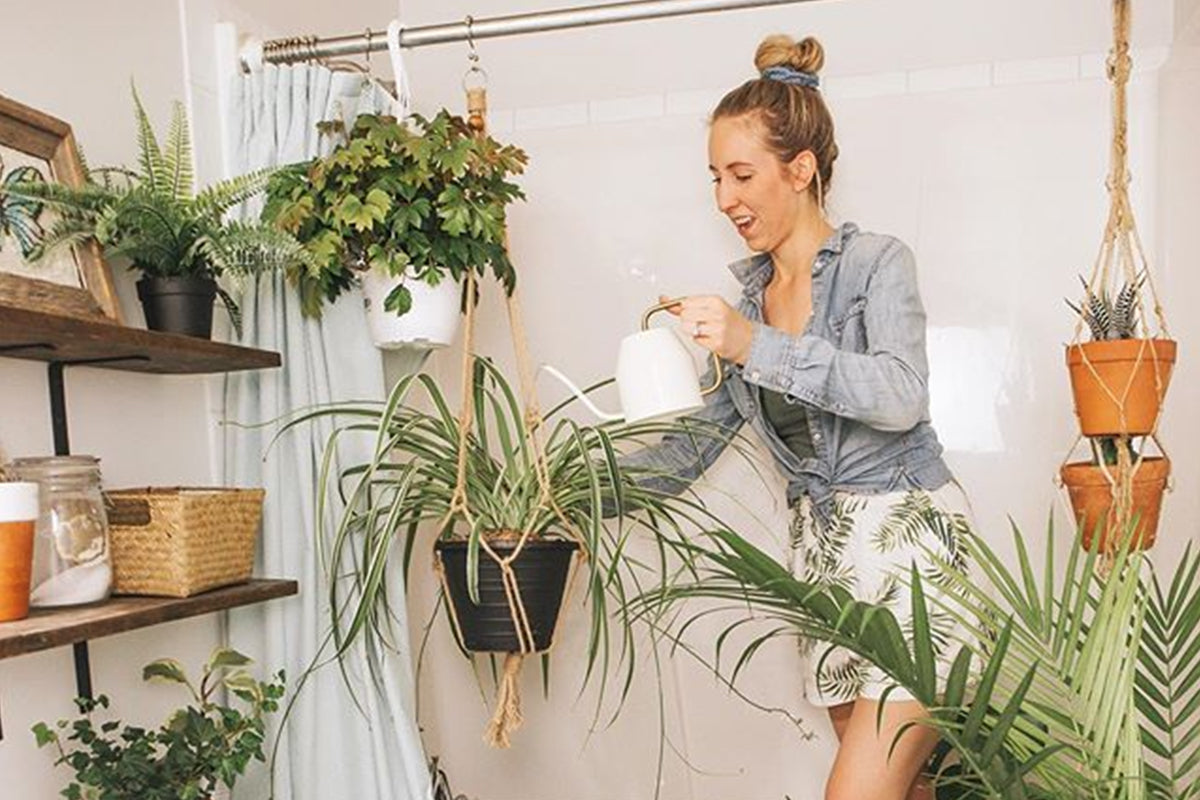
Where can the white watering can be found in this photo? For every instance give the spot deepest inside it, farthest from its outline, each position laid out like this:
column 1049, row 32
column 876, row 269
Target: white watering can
column 656, row 377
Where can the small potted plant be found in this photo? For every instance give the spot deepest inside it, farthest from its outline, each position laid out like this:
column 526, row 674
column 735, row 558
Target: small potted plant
column 1090, row 487
column 1118, row 379
column 199, row 750
column 410, row 208
column 178, row 239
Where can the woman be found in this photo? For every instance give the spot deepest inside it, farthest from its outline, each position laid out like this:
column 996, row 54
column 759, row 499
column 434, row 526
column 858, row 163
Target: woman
column 825, row 357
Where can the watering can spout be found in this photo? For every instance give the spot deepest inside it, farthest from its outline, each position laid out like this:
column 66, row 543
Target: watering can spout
column 580, row 395
column 656, row 377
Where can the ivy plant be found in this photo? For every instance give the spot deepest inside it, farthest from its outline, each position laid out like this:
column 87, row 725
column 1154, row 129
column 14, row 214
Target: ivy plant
column 203, row 746
column 424, row 199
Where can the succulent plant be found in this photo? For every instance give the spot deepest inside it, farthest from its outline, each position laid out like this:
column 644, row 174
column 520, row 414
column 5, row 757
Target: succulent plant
column 1107, row 318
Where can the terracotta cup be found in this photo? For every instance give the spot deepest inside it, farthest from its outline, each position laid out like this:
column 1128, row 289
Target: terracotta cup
column 18, row 518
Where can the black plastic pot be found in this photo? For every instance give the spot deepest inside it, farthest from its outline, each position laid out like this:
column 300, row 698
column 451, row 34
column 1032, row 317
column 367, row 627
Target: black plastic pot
column 541, row 572
column 179, row 305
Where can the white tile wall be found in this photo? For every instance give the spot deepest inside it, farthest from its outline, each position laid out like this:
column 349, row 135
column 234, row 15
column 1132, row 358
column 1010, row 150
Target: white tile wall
column 624, row 109
column 1036, row 70
column 967, row 76
column 532, row 119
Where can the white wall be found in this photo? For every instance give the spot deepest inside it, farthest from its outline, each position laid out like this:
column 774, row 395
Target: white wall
column 75, row 60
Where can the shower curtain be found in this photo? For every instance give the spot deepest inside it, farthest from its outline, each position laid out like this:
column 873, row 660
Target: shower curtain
column 337, row 743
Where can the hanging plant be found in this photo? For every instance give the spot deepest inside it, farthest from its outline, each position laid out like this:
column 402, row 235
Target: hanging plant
column 424, row 199
column 1119, row 379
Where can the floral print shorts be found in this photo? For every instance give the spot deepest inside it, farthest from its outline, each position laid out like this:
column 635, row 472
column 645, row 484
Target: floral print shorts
column 869, row 548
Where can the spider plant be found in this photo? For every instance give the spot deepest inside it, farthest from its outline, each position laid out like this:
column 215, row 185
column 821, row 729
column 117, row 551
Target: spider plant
column 406, row 491
column 1087, row 680
column 154, row 217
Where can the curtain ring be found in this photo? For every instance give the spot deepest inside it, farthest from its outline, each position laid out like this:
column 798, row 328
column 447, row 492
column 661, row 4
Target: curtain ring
column 369, row 34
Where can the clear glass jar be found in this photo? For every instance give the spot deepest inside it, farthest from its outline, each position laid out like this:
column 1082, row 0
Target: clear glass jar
column 72, row 563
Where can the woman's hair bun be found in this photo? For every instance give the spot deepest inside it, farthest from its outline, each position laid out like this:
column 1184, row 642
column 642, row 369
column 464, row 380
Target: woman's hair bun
column 781, row 50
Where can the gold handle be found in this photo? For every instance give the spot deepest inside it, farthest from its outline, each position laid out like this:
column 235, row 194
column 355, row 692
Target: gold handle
column 717, row 369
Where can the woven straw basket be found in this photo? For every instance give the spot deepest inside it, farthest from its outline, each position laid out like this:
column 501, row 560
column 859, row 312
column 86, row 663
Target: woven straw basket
column 179, row 542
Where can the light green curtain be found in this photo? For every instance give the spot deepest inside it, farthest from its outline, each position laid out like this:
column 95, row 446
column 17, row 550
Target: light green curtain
column 330, row 748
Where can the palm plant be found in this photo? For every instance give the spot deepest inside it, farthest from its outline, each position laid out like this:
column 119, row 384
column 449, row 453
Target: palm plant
column 407, row 488
column 153, row 216
column 1083, row 675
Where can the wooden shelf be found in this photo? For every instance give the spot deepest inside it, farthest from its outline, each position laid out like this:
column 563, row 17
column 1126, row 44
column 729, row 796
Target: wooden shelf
column 38, row 336
column 47, row 628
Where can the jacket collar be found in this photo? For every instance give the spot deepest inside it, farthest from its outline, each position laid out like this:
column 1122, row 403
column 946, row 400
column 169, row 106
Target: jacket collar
column 755, row 272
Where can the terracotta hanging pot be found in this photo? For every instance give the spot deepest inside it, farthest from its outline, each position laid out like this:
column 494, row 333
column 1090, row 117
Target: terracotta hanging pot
column 1092, row 500
column 541, row 570
column 1103, row 373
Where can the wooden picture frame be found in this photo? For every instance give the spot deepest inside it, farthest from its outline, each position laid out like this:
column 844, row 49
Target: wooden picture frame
column 33, row 136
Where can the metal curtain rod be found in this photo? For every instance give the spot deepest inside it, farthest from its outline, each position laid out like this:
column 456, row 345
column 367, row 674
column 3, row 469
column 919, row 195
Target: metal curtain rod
column 308, row 48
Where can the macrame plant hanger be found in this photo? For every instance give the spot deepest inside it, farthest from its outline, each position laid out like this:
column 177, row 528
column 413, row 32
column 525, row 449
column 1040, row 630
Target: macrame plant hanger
column 507, row 717
column 1121, row 262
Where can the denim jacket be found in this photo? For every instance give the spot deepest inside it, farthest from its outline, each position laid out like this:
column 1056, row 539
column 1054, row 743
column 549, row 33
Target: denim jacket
column 859, row 369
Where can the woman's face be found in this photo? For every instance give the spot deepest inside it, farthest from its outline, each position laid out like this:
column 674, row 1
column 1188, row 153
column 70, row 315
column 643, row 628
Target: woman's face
column 761, row 196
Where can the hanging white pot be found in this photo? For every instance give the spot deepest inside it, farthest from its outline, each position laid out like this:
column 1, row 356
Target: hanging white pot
column 431, row 322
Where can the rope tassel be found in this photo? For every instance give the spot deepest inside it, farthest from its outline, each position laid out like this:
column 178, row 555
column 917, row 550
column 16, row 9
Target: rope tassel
column 507, row 717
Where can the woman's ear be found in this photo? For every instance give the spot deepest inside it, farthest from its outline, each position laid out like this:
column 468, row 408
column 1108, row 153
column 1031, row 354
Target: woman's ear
column 802, row 170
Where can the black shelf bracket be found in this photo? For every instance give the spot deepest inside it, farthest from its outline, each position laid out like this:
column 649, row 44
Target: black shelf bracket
column 62, row 447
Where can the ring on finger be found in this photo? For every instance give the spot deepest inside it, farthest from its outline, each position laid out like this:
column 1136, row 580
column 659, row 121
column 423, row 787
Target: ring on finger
column 698, row 329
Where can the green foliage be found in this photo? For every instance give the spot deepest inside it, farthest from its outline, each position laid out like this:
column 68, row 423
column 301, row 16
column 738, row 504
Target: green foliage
column 407, row 487
column 153, row 217
column 428, row 197
column 1088, row 680
column 1168, row 683
column 199, row 748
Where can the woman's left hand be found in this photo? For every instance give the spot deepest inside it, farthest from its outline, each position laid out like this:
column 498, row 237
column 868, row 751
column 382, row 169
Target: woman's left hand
column 715, row 325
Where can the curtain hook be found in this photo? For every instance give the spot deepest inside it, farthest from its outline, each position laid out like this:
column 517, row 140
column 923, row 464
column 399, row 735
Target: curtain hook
column 369, row 34
column 473, row 56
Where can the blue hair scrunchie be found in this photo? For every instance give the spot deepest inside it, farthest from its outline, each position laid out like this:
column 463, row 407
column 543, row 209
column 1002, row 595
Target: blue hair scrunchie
column 791, row 76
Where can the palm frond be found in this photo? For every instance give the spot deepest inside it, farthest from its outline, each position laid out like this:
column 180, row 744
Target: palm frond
column 1052, row 714
column 1168, row 683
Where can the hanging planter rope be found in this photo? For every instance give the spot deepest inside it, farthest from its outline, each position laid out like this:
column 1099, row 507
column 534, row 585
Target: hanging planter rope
column 503, row 549
column 1119, row 384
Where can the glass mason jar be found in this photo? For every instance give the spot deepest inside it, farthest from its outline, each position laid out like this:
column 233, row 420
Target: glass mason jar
column 72, row 563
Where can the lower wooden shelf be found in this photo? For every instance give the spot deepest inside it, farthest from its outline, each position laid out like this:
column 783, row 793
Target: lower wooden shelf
column 47, row 628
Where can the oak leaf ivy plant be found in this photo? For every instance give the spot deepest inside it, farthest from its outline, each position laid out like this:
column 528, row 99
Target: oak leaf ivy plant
column 203, row 746
column 423, row 199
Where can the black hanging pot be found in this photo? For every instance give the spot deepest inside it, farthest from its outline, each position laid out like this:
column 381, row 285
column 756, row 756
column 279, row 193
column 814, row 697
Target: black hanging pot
column 179, row 304
column 541, row 570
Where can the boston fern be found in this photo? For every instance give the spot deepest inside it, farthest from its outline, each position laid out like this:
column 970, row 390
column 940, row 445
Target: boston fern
column 153, row 216
column 201, row 747
column 425, row 199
